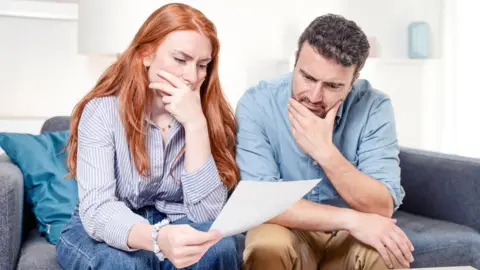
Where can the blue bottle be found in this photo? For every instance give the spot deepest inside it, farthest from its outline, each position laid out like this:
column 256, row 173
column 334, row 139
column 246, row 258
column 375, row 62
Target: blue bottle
column 418, row 40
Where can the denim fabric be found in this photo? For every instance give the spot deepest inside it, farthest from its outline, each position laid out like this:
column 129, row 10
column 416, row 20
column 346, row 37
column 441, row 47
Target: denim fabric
column 76, row 250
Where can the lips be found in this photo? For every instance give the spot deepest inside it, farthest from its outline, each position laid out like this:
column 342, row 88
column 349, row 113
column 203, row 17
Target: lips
column 313, row 107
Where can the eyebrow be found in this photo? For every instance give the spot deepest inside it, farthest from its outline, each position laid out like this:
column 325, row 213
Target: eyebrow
column 189, row 57
column 306, row 74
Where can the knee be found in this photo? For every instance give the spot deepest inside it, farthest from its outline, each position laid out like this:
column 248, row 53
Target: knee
column 367, row 257
column 267, row 249
column 112, row 258
column 227, row 247
column 222, row 255
column 269, row 241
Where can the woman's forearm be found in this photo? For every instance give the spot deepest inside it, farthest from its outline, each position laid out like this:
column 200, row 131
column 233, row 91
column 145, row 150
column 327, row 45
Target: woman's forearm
column 140, row 237
column 197, row 145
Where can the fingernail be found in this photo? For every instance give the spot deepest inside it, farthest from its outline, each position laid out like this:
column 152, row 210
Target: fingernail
column 390, row 266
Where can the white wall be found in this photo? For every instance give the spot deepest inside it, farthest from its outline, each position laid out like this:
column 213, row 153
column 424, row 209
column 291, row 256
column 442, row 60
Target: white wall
column 40, row 73
column 39, row 60
column 462, row 95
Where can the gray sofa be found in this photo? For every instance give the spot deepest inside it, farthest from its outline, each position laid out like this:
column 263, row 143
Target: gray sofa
column 440, row 213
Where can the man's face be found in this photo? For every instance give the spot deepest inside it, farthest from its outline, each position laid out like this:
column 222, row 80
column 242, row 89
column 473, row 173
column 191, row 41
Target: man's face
column 319, row 83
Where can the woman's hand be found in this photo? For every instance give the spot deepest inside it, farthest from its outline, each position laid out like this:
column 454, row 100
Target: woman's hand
column 185, row 246
column 180, row 100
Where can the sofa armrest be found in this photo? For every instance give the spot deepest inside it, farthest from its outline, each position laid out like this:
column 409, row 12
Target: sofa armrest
column 11, row 213
column 441, row 186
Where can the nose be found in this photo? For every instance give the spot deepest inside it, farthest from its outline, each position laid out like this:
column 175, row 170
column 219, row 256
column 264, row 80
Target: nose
column 190, row 74
column 316, row 94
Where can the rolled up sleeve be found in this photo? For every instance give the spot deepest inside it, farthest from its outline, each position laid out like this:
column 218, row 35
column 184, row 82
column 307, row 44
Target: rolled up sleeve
column 104, row 217
column 378, row 153
column 255, row 156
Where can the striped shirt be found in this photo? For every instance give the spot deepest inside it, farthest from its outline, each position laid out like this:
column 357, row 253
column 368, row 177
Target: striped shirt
column 109, row 185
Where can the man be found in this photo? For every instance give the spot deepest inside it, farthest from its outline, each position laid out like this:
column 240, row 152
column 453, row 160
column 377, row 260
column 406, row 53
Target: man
column 320, row 122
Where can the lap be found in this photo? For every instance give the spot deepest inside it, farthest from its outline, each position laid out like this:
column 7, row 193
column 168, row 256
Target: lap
column 223, row 255
column 270, row 235
column 77, row 250
column 343, row 251
column 340, row 251
column 277, row 235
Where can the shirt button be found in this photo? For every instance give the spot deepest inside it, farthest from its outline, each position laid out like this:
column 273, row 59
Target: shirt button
column 315, row 162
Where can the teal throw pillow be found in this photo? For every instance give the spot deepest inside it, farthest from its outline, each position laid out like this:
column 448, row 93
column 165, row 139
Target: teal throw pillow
column 43, row 163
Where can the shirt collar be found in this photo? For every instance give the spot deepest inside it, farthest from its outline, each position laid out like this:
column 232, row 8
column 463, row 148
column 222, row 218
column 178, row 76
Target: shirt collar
column 340, row 111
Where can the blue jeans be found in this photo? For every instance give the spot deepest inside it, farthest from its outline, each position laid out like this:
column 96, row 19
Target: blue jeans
column 76, row 250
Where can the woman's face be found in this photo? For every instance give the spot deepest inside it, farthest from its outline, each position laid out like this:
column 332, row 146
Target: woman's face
column 185, row 54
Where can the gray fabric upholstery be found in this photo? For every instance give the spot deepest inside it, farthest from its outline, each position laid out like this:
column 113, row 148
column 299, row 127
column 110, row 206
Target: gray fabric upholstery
column 4, row 158
column 11, row 209
column 57, row 123
column 440, row 243
column 37, row 253
column 441, row 186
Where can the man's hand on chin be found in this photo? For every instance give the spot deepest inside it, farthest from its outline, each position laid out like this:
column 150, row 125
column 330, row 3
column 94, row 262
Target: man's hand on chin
column 310, row 131
column 383, row 234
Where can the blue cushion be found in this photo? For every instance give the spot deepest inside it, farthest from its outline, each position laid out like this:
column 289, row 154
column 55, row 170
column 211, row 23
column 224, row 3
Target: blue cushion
column 43, row 163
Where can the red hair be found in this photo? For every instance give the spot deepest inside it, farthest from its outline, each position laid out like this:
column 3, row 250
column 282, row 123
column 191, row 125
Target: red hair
column 127, row 79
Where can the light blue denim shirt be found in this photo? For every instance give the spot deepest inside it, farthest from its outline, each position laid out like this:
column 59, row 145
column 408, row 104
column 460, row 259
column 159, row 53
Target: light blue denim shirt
column 364, row 133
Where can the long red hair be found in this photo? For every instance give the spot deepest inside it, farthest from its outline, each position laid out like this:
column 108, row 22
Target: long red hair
column 127, row 79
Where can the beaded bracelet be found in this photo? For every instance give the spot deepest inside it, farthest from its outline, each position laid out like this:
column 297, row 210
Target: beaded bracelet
column 155, row 229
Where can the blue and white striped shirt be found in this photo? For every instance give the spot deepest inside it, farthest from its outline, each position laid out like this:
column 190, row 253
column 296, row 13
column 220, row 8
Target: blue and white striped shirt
column 110, row 187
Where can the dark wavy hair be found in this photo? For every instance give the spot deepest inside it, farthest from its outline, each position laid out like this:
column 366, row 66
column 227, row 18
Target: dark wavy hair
column 335, row 37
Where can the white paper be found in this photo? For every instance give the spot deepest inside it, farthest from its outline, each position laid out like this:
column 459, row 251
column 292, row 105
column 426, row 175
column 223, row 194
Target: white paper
column 255, row 202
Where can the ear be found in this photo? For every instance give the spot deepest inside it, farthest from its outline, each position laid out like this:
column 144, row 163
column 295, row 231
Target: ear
column 147, row 60
column 355, row 78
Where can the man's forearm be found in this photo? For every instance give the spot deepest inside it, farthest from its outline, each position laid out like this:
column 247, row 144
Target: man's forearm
column 307, row 215
column 360, row 191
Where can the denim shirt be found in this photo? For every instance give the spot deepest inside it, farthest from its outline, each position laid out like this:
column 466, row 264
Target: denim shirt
column 364, row 132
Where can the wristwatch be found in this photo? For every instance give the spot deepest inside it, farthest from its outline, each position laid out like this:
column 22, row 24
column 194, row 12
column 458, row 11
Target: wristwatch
column 155, row 229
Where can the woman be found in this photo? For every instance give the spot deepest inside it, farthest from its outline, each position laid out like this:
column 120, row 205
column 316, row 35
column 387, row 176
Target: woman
column 152, row 149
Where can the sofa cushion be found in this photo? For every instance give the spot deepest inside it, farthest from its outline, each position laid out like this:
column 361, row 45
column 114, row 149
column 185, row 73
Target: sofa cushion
column 57, row 123
column 43, row 164
column 37, row 253
column 440, row 243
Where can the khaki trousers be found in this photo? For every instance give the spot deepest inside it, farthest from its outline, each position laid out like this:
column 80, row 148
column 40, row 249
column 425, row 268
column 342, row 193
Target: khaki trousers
column 275, row 247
